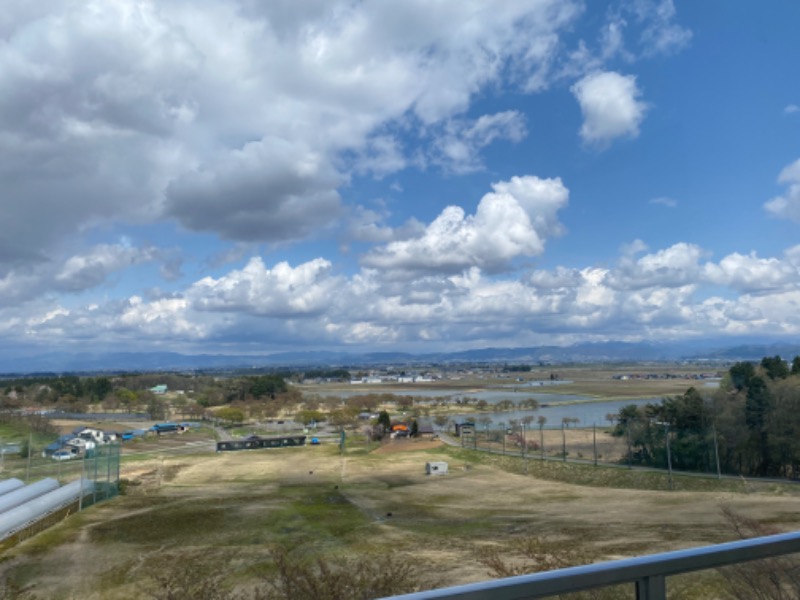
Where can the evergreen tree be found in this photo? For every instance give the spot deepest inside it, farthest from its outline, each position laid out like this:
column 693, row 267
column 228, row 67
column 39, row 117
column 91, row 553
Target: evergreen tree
column 384, row 421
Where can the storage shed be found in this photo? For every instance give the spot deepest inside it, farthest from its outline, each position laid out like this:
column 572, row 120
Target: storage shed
column 436, row 468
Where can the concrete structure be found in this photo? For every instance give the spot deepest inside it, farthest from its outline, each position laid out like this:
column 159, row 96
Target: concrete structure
column 436, row 468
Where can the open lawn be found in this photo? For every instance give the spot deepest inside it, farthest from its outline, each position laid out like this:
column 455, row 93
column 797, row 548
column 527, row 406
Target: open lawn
column 209, row 510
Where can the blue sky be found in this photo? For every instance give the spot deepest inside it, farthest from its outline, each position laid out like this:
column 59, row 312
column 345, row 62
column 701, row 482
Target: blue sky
column 235, row 176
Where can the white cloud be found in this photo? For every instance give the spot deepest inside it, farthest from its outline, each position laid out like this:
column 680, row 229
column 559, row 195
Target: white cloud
column 79, row 272
column 513, row 220
column 656, row 295
column 664, row 201
column 749, row 273
column 660, row 35
column 610, row 105
column 790, row 109
column 130, row 110
column 675, row 266
column 88, row 270
column 278, row 292
column 458, row 148
column 787, row 206
column 612, row 40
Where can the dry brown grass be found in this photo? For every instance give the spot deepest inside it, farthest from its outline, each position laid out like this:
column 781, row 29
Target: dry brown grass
column 206, row 509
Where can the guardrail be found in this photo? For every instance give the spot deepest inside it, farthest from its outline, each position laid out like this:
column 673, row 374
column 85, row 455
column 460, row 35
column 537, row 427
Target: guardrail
column 647, row 573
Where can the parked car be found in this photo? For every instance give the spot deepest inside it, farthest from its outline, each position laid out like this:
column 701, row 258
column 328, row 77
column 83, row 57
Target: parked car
column 63, row 455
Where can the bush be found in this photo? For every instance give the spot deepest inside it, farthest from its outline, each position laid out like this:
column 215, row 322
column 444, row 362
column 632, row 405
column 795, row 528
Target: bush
column 301, row 578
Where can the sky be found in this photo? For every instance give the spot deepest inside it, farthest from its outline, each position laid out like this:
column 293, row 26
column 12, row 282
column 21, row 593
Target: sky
column 245, row 177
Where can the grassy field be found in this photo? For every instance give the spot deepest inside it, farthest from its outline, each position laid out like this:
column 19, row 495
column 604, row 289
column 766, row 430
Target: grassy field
column 207, row 510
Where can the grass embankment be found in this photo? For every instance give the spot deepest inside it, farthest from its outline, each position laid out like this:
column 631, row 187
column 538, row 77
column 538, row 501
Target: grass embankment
column 618, row 477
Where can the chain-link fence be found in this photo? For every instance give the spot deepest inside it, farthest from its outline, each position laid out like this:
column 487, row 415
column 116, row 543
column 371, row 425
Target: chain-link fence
column 101, row 465
column 668, row 450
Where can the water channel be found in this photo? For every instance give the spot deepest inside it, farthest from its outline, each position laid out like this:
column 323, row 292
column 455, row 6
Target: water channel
column 553, row 406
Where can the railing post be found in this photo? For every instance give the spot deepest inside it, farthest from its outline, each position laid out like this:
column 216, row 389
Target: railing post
column 651, row 588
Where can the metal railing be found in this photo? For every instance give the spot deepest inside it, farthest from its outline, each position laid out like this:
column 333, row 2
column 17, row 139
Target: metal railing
column 647, row 573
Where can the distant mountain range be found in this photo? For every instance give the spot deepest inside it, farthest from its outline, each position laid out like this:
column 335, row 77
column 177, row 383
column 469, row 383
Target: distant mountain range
column 62, row 362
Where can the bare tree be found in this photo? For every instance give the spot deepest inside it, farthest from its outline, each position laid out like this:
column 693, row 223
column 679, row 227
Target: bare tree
column 771, row 579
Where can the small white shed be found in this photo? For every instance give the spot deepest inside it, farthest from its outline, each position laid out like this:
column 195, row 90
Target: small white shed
column 436, row 468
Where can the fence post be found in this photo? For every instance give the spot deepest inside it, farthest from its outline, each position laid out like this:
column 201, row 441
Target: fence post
column 651, row 588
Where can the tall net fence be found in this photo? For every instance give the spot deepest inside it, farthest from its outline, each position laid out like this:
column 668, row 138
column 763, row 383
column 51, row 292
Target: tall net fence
column 667, row 449
column 100, row 465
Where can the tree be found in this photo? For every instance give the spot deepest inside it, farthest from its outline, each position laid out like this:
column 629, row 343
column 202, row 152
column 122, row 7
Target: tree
column 741, row 373
column 385, row 421
column 775, row 367
column 796, row 365
column 757, row 407
column 309, row 416
column 156, row 407
column 440, row 420
column 127, row 398
column 230, row 414
column 343, row 417
column 414, row 429
column 266, row 385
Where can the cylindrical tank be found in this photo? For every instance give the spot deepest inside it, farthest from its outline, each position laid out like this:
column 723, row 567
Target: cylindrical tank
column 27, row 493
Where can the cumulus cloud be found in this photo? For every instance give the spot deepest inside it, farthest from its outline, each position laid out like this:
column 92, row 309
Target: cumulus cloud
column 78, row 272
column 278, row 292
column 610, row 105
column 751, row 274
column 790, row 109
column 787, row 206
column 131, row 111
column 675, row 266
column 513, row 220
column 269, row 190
column 81, row 272
column 647, row 295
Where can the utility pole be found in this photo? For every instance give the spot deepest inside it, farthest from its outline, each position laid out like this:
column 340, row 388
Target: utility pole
column 83, row 471
column 716, row 450
column 30, row 447
column 541, row 439
column 628, row 436
column 594, row 442
column 669, row 454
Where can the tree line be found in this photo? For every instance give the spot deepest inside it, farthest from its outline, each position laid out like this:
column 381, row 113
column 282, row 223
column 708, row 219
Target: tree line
column 749, row 426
